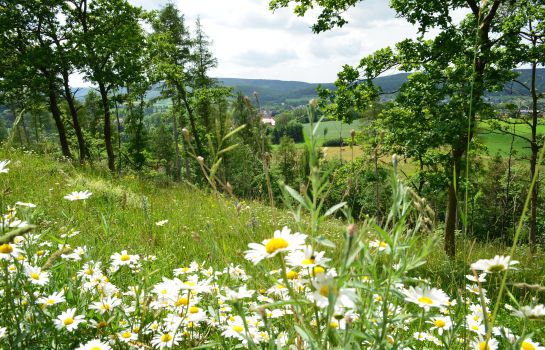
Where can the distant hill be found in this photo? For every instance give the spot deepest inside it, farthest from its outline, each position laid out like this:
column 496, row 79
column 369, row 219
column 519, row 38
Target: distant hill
column 296, row 92
column 277, row 92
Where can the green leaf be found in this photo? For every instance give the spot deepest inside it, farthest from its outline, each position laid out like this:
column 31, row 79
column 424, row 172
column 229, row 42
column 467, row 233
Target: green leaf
column 325, row 242
column 215, row 168
column 233, row 132
column 296, row 196
column 227, row 149
column 334, row 208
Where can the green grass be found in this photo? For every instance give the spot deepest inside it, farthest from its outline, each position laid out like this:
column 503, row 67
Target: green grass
column 121, row 214
column 497, row 142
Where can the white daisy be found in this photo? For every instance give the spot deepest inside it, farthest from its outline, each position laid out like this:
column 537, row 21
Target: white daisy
column 441, row 323
column 2, row 332
column 306, row 258
column 55, row 298
column 95, row 344
column 105, row 305
column 78, row 195
column 426, row 298
column 166, row 340
column 532, row 312
column 381, row 246
column 123, row 258
column 36, row 275
column 68, row 320
column 528, row 344
column 282, row 241
column 9, row 251
column 28, row 205
column 3, row 165
column 127, row 336
column 325, row 288
column 482, row 344
column 242, row 293
column 497, row 264
column 161, row 223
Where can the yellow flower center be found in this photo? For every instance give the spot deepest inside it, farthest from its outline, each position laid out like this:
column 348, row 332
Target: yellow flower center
column 484, row 346
column 89, row 272
column 527, row 346
column 425, row 300
column 105, row 307
column 238, row 328
column 496, row 268
column 182, row 301
column 50, row 301
column 102, row 324
column 6, row 248
column 308, row 261
column 166, row 338
column 68, row 321
column 324, row 290
column 40, row 252
column 440, row 323
column 275, row 244
column 475, row 327
column 193, row 309
column 292, row 275
column 383, row 245
column 126, row 335
column 318, row 270
column 334, row 325
column 125, row 257
column 35, row 276
column 96, row 348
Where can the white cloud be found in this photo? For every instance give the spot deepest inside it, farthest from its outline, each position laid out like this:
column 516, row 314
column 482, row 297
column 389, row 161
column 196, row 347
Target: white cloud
column 250, row 41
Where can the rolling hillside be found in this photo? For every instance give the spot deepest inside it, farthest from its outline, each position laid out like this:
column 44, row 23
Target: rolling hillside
column 277, row 92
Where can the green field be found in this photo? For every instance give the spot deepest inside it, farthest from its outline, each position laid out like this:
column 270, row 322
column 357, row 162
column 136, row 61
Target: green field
column 495, row 142
column 334, row 129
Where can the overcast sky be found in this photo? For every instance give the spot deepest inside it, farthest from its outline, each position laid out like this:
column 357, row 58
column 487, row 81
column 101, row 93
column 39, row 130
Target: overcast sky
column 250, row 41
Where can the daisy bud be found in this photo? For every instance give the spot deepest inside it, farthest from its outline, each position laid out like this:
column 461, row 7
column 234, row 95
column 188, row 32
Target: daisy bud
column 229, row 188
column 352, row 229
column 200, row 160
column 185, row 132
column 395, row 160
column 313, row 103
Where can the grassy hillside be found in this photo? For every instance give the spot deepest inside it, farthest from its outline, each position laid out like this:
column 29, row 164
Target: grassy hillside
column 122, row 214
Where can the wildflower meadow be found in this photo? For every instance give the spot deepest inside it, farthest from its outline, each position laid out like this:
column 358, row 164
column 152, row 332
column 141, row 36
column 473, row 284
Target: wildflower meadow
column 304, row 291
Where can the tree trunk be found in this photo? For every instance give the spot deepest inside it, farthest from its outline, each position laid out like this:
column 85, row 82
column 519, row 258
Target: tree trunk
column 452, row 206
column 178, row 165
column 74, row 114
column 533, row 163
column 192, row 122
column 107, row 127
column 55, row 111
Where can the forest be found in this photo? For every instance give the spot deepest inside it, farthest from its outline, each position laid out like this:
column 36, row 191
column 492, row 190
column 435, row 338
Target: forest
column 409, row 169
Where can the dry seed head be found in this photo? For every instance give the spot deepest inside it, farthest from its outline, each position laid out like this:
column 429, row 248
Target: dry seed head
column 353, row 134
column 200, row 160
column 185, row 132
column 313, row 103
